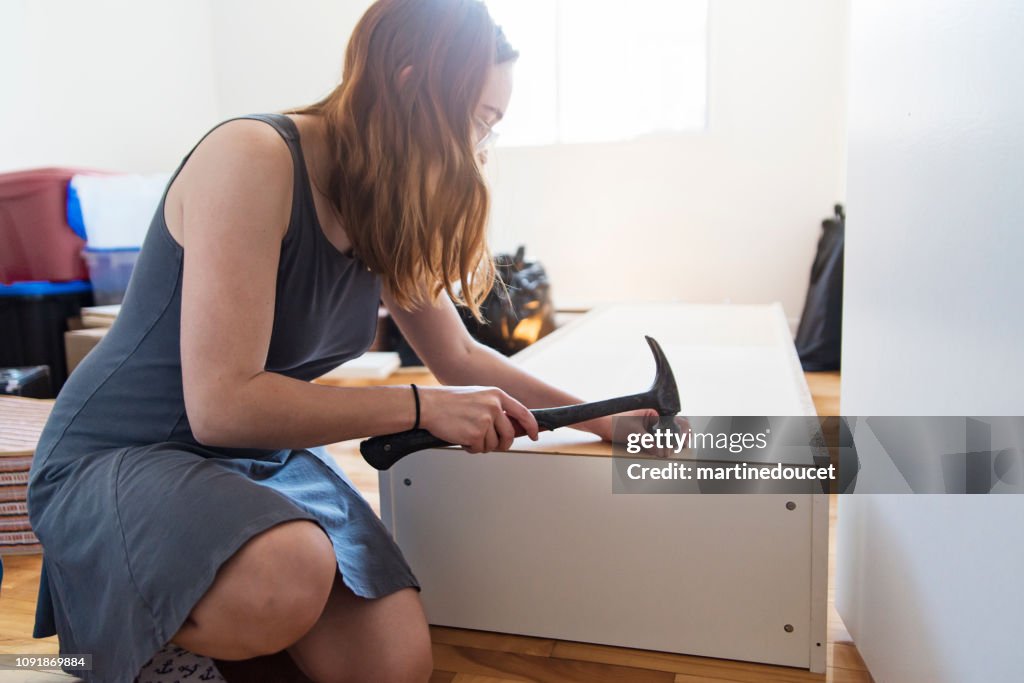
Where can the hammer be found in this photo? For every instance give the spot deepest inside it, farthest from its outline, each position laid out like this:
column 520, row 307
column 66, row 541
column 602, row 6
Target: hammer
column 384, row 451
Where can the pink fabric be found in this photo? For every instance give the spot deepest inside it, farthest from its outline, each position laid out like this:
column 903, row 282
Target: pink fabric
column 36, row 242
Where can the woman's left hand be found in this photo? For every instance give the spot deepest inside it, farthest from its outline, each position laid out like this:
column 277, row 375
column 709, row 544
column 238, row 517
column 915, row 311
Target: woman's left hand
column 602, row 426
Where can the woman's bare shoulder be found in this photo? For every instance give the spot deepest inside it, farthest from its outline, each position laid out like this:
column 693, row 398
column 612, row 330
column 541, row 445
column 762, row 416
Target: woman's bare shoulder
column 250, row 148
column 241, row 163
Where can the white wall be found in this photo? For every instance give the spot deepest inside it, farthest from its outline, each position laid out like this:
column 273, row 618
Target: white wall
column 105, row 83
column 732, row 213
column 272, row 56
column 930, row 586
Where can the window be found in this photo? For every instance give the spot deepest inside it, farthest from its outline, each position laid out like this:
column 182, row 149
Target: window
column 604, row 71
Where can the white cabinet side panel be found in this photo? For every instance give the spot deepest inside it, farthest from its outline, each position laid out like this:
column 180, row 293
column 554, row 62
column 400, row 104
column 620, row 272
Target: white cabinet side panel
column 537, row 544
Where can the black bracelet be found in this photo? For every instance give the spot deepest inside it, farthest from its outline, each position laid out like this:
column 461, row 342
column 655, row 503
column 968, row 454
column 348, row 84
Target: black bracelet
column 416, row 395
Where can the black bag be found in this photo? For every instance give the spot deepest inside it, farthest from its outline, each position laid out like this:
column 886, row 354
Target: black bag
column 518, row 310
column 819, row 336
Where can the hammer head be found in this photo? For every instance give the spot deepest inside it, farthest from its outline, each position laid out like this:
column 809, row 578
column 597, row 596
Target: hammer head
column 664, row 389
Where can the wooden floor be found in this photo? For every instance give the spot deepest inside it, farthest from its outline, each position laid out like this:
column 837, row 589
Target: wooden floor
column 463, row 656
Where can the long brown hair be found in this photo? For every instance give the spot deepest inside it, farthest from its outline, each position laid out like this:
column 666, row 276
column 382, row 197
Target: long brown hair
column 405, row 178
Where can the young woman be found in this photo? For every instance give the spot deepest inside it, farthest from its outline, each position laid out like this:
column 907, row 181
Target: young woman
column 179, row 489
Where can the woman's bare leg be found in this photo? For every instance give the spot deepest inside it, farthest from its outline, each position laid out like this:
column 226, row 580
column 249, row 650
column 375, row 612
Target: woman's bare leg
column 282, row 590
column 355, row 639
column 265, row 597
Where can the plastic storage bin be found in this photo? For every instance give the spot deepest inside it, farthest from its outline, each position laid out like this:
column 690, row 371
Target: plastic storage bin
column 110, row 270
column 36, row 242
column 33, row 319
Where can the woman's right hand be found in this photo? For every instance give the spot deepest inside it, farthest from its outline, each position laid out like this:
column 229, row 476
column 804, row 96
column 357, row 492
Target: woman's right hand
column 480, row 419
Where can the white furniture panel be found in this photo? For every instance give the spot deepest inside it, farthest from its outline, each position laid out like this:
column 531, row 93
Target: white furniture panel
column 930, row 586
column 534, row 542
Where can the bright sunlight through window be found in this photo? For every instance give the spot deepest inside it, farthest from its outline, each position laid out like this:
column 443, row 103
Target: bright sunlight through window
column 604, row 71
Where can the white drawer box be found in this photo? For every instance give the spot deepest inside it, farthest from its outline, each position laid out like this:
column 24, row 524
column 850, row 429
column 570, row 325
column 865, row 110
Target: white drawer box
column 534, row 542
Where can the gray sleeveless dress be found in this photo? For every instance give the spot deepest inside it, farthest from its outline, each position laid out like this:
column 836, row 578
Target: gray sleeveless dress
column 134, row 515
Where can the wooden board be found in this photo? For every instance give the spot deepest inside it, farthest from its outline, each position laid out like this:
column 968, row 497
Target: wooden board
column 100, row 316
column 370, row 365
column 535, row 543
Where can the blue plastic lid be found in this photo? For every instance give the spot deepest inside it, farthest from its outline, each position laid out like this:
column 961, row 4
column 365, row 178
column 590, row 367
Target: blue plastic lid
column 41, row 288
column 75, row 219
column 111, row 250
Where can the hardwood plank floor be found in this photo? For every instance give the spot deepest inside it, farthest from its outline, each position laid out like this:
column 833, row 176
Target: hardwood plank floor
column 464, row 656
column 824, row 388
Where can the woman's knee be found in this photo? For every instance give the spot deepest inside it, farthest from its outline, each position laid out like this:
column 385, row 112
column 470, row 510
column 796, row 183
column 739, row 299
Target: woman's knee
column 266, row 596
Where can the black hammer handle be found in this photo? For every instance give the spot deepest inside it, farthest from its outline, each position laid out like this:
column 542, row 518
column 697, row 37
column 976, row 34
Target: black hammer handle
column 384, row 451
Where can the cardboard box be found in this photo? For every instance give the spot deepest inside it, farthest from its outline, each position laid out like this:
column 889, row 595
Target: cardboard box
column 78, row 343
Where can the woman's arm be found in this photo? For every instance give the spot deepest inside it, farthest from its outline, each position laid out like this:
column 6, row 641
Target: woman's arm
column 231, row 205
column 439, row 337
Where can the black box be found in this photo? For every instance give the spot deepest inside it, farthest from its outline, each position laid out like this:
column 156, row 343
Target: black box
column 33, row 319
